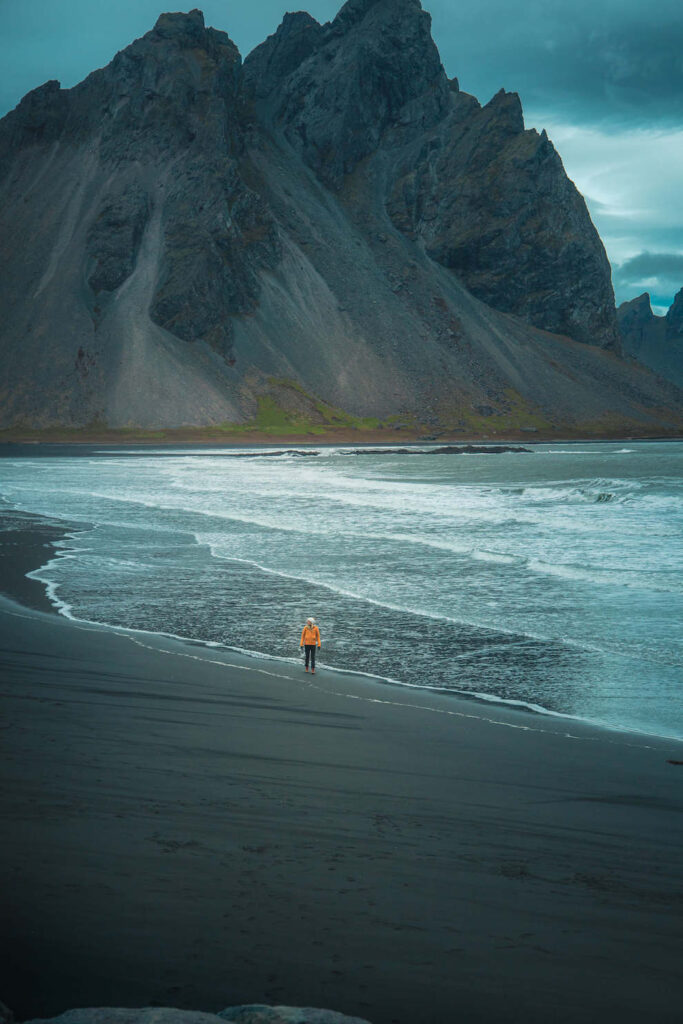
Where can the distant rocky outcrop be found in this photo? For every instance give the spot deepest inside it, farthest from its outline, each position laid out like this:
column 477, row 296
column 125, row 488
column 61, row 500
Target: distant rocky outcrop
column 655, row 341
column 252, row 1014
column 331, row 230
column 674, row 317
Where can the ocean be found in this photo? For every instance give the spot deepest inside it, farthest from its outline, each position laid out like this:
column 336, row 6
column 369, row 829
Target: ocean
column 549, row 578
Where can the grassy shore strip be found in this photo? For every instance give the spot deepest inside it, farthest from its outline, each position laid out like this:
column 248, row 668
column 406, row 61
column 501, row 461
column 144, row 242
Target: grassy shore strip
column 229, row 435
column 285, row 413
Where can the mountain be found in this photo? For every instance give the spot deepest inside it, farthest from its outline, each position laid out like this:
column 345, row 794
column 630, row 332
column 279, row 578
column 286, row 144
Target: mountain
column 655, row 341
column 330, row 230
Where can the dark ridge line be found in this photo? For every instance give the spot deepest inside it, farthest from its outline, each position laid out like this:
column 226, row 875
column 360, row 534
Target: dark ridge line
column 468, row 449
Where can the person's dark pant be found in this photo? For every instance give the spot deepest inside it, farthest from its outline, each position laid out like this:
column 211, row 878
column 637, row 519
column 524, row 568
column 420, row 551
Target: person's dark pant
column 310, row 655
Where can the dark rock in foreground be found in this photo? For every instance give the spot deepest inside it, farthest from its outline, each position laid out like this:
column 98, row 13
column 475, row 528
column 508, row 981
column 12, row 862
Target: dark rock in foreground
column 121, row 1015
column 253, row 1014
column 258, row 1014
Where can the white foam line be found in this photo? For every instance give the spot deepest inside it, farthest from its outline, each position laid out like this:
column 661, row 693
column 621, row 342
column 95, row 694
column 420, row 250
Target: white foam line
column 610, row 576
column 127, row 634
column 51, row 587
column 533, row 565
column 66, row 609
column 435, row 616
column 279, row 526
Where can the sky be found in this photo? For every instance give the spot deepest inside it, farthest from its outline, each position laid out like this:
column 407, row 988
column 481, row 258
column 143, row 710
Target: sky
column 603, row 77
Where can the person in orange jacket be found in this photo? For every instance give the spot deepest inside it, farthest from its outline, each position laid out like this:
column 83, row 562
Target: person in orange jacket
column 310, row 639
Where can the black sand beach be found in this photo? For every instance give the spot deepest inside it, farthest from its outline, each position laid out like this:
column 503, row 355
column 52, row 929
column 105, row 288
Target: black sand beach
column 184, row 826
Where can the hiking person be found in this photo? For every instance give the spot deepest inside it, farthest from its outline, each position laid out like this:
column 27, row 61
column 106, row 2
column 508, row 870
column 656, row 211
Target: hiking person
column 310, row 639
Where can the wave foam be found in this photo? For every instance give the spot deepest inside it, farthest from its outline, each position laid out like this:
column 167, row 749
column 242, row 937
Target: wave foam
column 133, row 635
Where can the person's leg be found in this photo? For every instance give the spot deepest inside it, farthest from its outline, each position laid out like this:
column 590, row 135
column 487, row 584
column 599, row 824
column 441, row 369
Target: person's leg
column 307, row 648
column 312, row 657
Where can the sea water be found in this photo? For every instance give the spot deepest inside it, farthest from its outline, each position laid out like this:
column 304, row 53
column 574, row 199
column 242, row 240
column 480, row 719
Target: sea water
column 550, row 577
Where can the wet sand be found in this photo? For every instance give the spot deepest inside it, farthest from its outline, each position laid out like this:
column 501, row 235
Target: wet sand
column 189, row 827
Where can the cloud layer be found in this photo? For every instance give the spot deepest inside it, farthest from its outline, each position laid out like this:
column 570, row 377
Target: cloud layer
column 593, row 61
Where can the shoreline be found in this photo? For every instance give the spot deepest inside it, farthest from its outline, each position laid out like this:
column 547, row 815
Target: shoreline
column 24, row 540
column 28, row 542
column 348, row 438
column 519, row 716
column 191, row 828
column 481, row 699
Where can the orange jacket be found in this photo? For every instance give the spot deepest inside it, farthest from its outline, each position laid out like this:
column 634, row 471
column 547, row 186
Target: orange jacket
column 310, row 635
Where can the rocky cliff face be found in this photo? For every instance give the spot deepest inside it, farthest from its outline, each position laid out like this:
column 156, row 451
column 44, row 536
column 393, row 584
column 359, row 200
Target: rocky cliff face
column 492, row 202
column 655, row 341
column 333, row 220
column 485, row 198
column 336, row 98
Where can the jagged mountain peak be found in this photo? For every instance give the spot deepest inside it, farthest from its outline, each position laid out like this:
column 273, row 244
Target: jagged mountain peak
column 639, row 310
column 37, row 119
column 270, row 63
column 336, row 89
column 363, row 31
column 640, row 306
column 353, row 12
column 180, row 25
column 44, row 112
column 295, row 21
column 674, row 316
column 655, row 341
column 331, row 219
column 506, row 107
column 188, row 30
column 41, row 92
column 179, row 31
